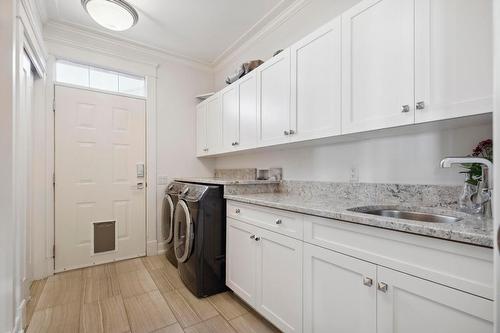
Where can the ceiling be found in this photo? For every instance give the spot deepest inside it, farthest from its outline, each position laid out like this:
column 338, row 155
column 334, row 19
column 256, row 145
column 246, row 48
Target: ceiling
column 202, row 30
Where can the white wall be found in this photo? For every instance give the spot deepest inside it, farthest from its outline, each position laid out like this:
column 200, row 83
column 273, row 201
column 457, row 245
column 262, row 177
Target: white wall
column 7, row 20
column 405, row 159
column 412, row 158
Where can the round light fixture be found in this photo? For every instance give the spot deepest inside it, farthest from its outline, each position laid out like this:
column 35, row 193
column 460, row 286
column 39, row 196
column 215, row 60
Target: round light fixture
column 117, row 15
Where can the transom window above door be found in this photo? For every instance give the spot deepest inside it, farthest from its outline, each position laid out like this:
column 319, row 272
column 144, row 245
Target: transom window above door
column 98, row 78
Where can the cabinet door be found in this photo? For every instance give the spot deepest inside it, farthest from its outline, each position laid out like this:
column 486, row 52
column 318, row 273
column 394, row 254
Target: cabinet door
column 201, row 129
column 378, row 65
column 316, row 84
column 413, row 305
column 248, row 111
column 214, row 124
column 274, row 99
column 339, row 292
column 279, row 280
column 230, row 117
column 453, row 64
column 240, row 260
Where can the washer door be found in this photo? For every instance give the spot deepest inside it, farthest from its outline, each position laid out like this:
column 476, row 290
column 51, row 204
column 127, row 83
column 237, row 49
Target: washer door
column 168, row 218
column 183, row 232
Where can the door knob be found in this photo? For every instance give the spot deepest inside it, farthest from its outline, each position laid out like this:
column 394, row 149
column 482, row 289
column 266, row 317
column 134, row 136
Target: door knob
column 138, row 186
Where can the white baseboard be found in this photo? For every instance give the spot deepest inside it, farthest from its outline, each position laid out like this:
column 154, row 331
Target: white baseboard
column 152, row 248
column 18, row 323
column 162, row 247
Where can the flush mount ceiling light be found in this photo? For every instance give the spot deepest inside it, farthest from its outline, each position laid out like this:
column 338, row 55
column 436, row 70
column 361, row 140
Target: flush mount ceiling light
column 117, row 15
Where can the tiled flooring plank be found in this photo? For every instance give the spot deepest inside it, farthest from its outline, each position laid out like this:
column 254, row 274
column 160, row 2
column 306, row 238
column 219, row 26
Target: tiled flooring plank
column 135, row 296
column 148, row 312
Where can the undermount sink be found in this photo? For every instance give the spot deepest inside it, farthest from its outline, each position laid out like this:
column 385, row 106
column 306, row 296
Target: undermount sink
column 410, row 215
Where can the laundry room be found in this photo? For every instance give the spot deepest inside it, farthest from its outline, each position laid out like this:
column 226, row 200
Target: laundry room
column 234, row 166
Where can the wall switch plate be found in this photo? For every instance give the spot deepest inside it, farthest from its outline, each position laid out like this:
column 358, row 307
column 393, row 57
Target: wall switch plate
column 354, row 175
column 162, row 180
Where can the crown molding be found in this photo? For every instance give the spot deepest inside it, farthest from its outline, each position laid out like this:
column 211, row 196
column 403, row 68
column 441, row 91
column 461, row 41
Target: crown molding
column 98, row 41
column 271, row 14
column 244, row 43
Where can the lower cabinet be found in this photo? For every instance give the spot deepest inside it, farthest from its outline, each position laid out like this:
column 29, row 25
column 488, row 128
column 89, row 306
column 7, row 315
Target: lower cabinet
column 413, row 305
column 344, row 294
column 265, row 269
column 339, row 292
column 300, row 286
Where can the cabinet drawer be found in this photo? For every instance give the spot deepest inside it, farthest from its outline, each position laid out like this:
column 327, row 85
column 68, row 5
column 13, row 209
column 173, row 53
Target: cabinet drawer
column 461, row 266
column 283, row 222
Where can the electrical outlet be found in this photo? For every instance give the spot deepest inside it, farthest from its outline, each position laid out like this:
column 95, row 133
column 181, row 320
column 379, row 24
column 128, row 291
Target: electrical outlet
column 354, row 175
column 162, row 180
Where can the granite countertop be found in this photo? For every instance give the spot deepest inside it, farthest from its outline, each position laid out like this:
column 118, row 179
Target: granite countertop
column 470, row 229
column 224, row 181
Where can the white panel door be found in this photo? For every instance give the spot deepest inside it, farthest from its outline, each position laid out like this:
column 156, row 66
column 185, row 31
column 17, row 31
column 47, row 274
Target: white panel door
column 240, row 260
column 214, row 124
column 413, row 305
column 377, row 65
column 454, row 58
column 279, row 280
column 273, row 79
column 316, row 84
column 230, row 118
column 99, row 141
column 201, row 129
column 248, row 111
column 339, row 292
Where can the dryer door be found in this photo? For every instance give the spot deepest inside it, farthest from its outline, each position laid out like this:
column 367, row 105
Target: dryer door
column 183, row 232
column 168, row 218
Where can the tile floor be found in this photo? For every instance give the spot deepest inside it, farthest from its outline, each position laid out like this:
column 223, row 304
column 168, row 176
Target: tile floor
column 140, row 295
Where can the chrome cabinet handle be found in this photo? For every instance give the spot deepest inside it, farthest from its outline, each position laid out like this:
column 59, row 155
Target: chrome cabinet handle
column 405, row 108
column 367, row 281
column 257, row 239
column 286, row 132
column 252, row 237
column 237, row 211
column 420, row 106
column 292, row 132
column 381, row 286
column 498, row 239
column 279, row 221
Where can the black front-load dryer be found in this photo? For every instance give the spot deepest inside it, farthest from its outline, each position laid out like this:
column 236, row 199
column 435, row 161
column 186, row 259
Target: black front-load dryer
column 200, row 239
column 168, row 210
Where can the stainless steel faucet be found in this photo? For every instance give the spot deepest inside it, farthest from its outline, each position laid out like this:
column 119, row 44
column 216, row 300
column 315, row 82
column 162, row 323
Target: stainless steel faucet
column 484, row 193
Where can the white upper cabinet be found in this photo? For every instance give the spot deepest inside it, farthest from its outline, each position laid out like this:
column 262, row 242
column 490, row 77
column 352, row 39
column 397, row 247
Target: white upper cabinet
column 201, row 129
column 378, row 65
column 408, row 304
column 273, row 82
column 453, row 64
column 248, row 111
column 230, row 117
column 316, row 84
column 214, row 124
